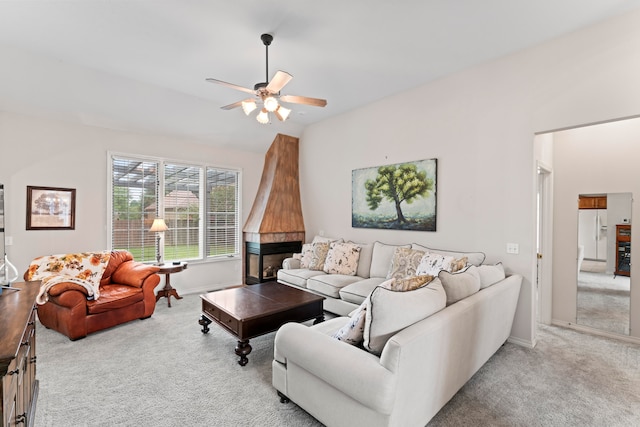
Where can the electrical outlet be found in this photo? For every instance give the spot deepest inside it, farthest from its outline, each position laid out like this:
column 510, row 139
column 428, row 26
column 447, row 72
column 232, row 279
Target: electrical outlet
column 8, row 240
column 513, row 248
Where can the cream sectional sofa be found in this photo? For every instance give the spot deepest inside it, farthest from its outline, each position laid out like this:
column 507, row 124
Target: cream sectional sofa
column 344, row 293
column 419, row 368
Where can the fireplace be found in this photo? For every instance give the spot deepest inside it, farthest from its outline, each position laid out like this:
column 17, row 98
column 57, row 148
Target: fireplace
column 265, row 259
column 275, row 228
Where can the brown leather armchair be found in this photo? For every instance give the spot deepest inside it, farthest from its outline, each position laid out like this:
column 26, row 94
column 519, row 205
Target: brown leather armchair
column 126, row 293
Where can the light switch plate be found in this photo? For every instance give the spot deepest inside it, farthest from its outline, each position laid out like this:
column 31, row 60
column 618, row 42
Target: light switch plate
column 513, row 248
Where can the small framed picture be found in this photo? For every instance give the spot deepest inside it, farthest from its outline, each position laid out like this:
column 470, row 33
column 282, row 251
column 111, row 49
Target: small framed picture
column 50, row 208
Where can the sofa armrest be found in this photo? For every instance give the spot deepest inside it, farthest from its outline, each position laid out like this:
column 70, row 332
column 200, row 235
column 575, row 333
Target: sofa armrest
column 290, row 264
column 353, row 371
column 133, row 273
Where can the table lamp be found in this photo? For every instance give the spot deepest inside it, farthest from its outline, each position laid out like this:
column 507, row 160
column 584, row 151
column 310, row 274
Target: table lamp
column 159, row 227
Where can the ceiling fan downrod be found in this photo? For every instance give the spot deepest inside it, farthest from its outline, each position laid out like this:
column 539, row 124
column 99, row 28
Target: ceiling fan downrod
column 266, row 40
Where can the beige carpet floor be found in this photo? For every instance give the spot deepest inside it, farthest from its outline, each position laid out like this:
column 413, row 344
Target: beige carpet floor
column 163, row 371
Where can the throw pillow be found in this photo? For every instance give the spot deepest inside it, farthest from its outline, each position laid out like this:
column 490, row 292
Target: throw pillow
column 388, row 312
column 461, row 284
column 490, row 274
column 459, row 264
column 353, row 332
column 404, row 263
column 432, row 263
column 381, row 258
column 314, row 255
column 342, row 258
column 407, row 283
column 475, row 258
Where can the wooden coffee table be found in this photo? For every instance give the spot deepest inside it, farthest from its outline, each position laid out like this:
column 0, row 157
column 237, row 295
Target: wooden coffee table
column 249, row 311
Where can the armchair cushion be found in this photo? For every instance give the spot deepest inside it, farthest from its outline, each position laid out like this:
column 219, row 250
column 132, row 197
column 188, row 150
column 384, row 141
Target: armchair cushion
column 113, row 297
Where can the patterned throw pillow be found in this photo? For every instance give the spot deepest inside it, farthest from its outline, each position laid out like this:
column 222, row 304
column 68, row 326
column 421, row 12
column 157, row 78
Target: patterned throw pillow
column 353, row 332
column 459, row 264
column 314, row 255
column 404, row 263
column 407, row 283
column 342, row 259
column 432, row 264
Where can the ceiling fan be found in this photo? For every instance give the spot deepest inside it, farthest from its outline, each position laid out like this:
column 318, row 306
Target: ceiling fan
column 268, row 93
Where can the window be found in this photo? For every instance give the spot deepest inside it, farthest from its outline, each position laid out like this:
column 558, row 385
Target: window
column 198, row 203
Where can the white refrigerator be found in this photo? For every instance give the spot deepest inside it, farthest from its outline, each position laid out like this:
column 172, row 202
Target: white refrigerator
column 592, row 233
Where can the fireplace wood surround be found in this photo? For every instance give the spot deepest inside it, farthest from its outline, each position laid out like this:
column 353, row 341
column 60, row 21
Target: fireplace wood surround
column 275, row 225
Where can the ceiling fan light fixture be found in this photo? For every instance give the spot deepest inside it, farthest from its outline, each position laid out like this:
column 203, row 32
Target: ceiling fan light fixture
column 282, row 113
column 271, row 104
column 263, row 116
column 249, row 106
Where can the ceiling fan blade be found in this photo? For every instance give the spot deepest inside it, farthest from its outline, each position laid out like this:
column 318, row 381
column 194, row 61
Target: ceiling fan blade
column 316, row 102
column 279, row 81
column 234, row 105
column 232, row 86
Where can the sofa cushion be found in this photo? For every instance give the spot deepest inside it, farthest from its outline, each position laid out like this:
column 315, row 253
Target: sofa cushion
column 388, row 312
column 314, row 255
column 342, row 258
column 364, row 261
column 356, row 292
column 381, row 258
column 404, row 263
column 490, row 274
column 323, row 239
column 475, row 258
column 330, row 284
column 113, row 297
column 461, row 284
column 353, row 332
column 298, row 276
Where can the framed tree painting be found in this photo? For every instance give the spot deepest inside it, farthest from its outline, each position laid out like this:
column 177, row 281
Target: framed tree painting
column 51, row 208
column 401, row 196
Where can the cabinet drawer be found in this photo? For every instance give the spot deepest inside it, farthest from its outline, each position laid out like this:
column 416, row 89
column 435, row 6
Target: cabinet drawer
column 211, row 311
column 229, row 322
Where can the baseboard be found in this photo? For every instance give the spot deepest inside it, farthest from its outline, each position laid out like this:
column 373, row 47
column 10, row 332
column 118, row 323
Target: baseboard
column 592, row 331
column 207, row 288
column 521, row 342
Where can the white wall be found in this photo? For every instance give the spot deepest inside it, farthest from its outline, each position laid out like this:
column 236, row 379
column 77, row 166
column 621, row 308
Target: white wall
column 50, row 153
column 480, row 125
column 592, row 160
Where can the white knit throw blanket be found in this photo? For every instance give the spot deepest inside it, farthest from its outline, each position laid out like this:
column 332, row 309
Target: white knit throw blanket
column 85, row 269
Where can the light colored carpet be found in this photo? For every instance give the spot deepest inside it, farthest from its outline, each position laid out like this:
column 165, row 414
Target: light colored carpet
column 163, row 371
column 603, row 302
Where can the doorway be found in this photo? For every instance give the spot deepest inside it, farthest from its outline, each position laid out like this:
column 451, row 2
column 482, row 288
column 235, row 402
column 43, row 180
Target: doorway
column 544, row 240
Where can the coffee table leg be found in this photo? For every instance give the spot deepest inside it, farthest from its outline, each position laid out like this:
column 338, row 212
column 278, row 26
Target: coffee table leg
column 204, row 322
column 319, row 319
column 243, row 349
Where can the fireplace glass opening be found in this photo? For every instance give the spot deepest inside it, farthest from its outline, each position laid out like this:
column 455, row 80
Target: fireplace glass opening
column 265, row 259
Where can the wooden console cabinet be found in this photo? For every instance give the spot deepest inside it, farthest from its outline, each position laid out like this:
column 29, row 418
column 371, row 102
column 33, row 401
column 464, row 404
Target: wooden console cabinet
column 19, row 389
column 623, row 250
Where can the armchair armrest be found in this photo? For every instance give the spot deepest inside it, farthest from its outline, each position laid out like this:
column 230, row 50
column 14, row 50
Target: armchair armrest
column 355, row 372
column 133, row 273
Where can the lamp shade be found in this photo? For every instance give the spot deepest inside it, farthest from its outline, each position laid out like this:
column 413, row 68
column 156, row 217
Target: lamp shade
column 158, row 225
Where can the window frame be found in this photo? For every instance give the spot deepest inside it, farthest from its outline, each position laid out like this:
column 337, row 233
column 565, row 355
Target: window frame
column 203, row 229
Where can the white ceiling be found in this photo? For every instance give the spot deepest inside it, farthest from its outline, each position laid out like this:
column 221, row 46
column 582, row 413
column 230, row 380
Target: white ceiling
column 140, row 65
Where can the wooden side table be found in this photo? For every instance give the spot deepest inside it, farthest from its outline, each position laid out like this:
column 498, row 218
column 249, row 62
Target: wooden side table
column 168, row 290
